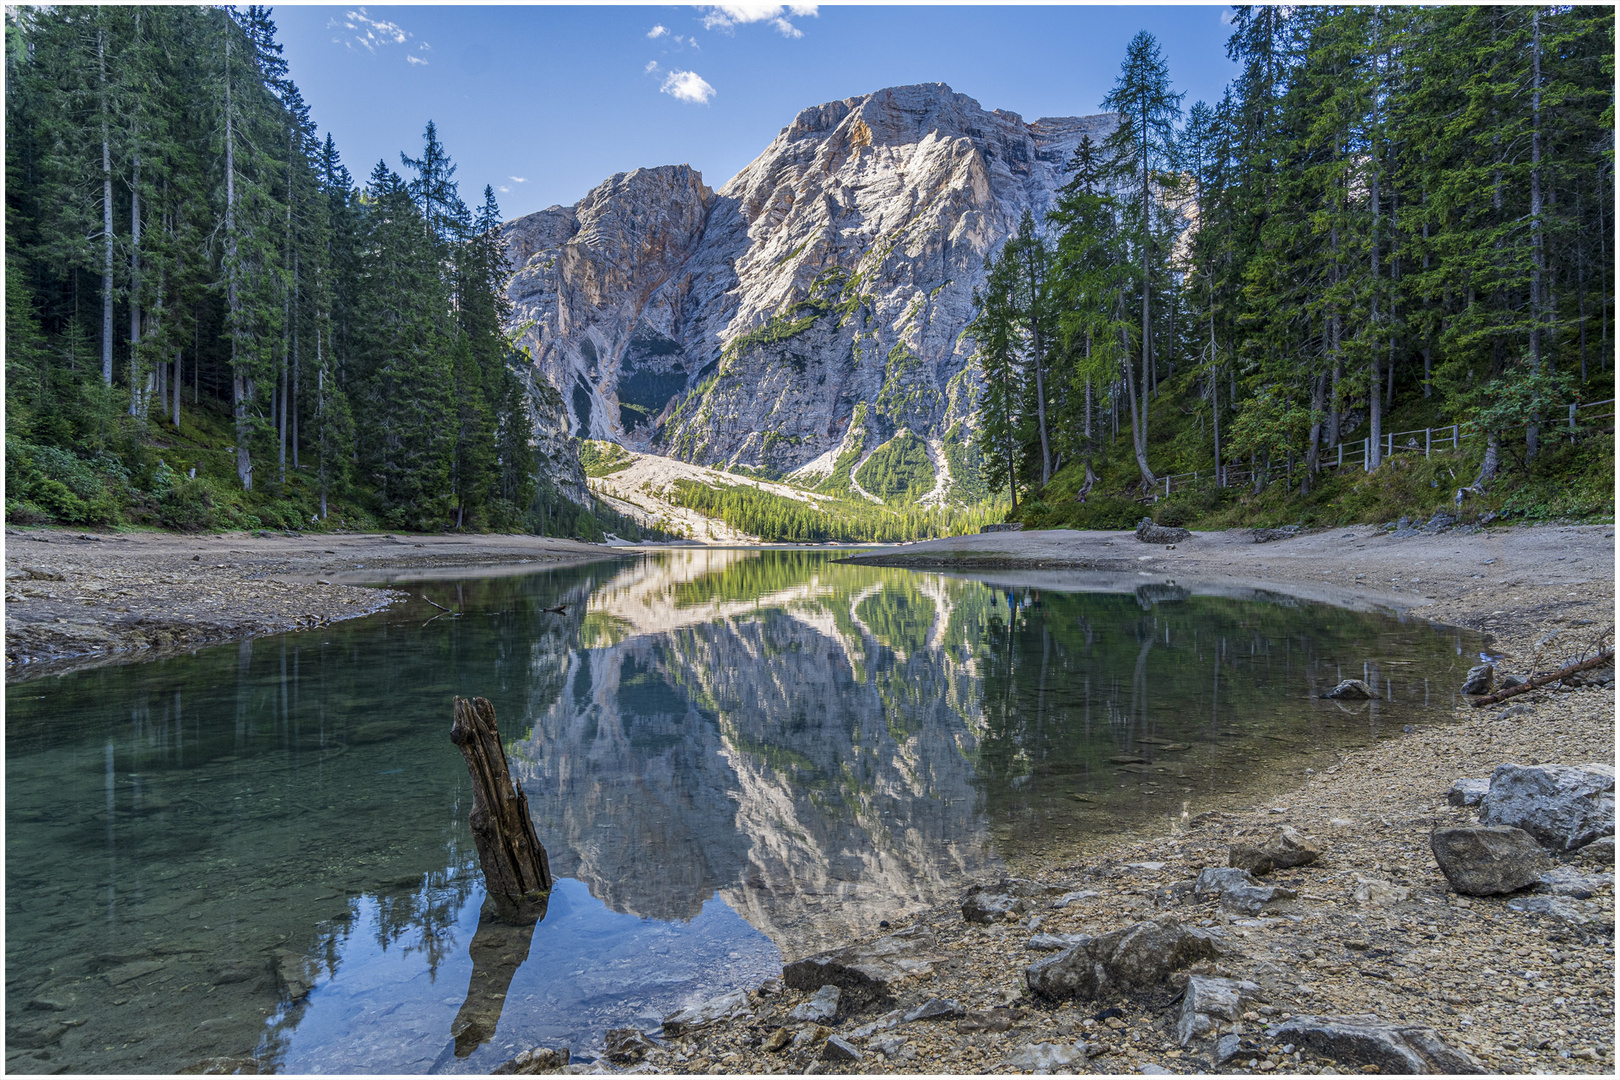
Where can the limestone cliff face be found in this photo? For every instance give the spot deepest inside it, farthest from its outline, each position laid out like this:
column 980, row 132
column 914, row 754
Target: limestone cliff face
column 835, row 271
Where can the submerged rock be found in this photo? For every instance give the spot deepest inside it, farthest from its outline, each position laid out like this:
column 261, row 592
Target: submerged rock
column 541, row 1059
column 704, row 1013
column 1351, row 690
column 1368, row 1041
column 627, row 1046
column 1563, row 806
column 1487, row 860
column 1135, row 959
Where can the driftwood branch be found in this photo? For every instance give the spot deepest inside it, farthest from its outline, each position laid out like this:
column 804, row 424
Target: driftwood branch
column 1602, row 658
column 441, row 607
column 517, row 876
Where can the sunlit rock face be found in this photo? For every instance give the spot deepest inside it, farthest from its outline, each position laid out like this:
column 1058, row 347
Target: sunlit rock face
column 760, row 752
column 747, row 326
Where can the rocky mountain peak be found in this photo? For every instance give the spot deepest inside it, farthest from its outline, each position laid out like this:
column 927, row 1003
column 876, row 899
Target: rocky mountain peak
column 831, row 276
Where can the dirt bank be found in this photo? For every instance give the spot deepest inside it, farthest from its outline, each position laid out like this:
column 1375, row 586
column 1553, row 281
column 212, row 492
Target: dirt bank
column 1522, row 992
column 76, row 599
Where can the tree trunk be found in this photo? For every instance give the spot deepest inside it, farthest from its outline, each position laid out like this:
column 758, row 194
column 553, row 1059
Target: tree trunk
column 137, row 399
column 1532, row 431
column 106, row 216
column 517, row 876
column 241, row 386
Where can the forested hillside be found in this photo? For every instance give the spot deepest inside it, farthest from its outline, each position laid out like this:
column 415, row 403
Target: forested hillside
column 209, row 323
column 1396, row 219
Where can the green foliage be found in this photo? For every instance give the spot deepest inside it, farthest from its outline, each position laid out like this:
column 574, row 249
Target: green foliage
column 899, row 471
column 603, row 458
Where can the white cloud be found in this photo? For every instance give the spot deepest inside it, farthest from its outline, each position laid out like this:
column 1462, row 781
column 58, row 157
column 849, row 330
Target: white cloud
column 658, row 31
column 1227, row 16
column 518, row 179
column 370, row 34
column 687, row 86
column 728, row 16
column 503, row 189
column 652, row 66
column 416, row 60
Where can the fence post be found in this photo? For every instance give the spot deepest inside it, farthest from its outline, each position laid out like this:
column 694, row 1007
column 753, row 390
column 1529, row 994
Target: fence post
column 1167, row 485
column 1456, row 433
column 1341, row 454
column 1366, row 454
column 1389, row 444
column 1428, row 439
column 1572, row 408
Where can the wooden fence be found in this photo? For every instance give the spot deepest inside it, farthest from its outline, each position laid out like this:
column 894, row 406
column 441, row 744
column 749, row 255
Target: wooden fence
column 1582, row 420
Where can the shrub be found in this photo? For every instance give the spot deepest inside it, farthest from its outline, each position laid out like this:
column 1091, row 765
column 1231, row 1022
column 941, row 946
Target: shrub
column 189, row 506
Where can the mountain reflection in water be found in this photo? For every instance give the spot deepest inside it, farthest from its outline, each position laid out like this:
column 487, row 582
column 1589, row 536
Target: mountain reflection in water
column 730, row 756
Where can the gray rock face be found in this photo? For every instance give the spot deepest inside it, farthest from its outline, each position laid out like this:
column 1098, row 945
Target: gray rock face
column 1367, row 1040
column 866, row 972
column 1217, row 879
column 1480, row 679
column 1052, row 942
column 1468, row 791
column 1149, row 533
column 1207, row 1000
column 1564, row 881
column 704, row 1013
column 1351, row 690
column 1135, row 959
column 1267, row 536
column 1563, row 806
column 823, row 1006
column 1486, row 861
column 813, row 304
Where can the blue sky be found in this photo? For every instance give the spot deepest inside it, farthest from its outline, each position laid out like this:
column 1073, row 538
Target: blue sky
column 546, row 102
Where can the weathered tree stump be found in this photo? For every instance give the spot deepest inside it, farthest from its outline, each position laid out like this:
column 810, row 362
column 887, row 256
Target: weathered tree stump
column 517, row 876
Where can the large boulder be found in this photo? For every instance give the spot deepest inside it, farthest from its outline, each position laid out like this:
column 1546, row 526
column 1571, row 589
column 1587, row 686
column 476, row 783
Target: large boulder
column 867, row 972
column 1135, row 959
column 1486, row 860
column 1208, row 999
column 1563, row 806
column 1149, row 533
column 1366, row 1040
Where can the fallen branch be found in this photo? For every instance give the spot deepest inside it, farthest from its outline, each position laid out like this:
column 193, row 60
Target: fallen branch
column 1604, row 657
column 441, row 607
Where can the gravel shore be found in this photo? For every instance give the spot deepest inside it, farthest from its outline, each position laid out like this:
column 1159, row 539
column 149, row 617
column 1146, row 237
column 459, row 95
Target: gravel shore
column 1521, row 992
column 76, row 600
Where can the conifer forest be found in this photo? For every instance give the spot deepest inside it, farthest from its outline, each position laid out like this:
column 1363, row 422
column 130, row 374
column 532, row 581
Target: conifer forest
column 1394, row 227
column 1395, row 218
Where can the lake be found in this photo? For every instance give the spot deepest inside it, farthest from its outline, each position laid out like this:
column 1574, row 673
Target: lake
column 260, row 851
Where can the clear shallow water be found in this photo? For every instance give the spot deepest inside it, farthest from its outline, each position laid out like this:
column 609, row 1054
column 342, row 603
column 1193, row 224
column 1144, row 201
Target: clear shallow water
column 730, row 756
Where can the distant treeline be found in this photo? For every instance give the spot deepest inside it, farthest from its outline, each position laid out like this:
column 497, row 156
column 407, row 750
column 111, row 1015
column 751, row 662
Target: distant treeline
column 778, row 518
column 194, row 278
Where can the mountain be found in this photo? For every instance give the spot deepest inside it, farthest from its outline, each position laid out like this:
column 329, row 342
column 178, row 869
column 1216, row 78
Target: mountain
column 808, row 313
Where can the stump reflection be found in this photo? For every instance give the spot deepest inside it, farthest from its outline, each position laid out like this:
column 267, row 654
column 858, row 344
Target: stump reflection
column 498, row 949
